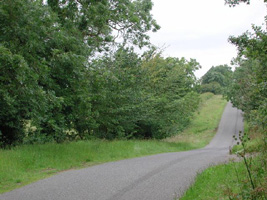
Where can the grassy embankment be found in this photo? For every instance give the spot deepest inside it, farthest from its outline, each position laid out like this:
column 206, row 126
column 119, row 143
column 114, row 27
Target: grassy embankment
column 232, row 180
column 25, row 164
column 204, row 124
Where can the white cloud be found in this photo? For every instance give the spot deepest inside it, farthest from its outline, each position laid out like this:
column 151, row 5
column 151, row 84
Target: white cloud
column 200, row 29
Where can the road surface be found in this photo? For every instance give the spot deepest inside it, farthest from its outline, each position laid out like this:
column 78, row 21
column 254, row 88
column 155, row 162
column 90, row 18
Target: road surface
column 158, row 177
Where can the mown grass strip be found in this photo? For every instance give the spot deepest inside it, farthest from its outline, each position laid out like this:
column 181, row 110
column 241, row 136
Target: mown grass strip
column 24, row 164
column 205, row 122
column 28, row 163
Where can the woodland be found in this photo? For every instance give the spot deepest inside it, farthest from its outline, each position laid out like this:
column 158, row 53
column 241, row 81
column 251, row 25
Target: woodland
column 69, row 71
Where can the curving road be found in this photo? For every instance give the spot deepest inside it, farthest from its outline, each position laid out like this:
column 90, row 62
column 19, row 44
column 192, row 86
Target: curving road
column 157, row 177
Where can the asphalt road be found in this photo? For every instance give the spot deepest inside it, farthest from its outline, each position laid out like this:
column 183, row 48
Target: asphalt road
column 157, row 177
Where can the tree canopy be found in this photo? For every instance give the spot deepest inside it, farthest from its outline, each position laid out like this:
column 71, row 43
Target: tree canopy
column 54, row 87
column 248, row 90
column 216, row 79
column 101, row 22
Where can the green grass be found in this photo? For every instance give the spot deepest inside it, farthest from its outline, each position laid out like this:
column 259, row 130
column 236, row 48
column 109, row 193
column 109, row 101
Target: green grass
column 231, row 180
column 28, row 163
column 24, row 164
column 205, row 122
column 220, row 182
column 212, row 183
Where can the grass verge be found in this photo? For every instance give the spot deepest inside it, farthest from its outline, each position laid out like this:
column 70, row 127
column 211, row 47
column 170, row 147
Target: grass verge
column 242, row 180
column 229, row 181
column 25, row 164
column 205, row 122
column 213, row 182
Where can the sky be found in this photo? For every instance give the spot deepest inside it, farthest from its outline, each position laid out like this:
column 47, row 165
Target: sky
column 200, row 29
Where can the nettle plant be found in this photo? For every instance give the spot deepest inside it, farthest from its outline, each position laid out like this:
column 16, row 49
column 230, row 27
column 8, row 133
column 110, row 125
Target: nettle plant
column 252, row 180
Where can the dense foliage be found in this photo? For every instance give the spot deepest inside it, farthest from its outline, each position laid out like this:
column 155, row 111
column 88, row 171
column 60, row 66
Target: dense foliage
column 143, row 98
column 54, row 87
column 216, row 80
column 170, row 95
column 248, row 90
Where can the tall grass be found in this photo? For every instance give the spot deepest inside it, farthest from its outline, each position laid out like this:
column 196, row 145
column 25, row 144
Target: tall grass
column 24, row 164
column 230, row 181
column 213, row 182
column 243, row 180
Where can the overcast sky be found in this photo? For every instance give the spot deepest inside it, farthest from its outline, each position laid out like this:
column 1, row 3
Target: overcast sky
column 200, row 28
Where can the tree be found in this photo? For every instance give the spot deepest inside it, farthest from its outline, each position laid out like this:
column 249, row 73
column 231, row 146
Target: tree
column 53, row 88
column 216, row 79
column 116, row 83
column 98, row 21
column 20, row 96
column 248, row 90
column 135, row 97
column 45, row 49
column 171, row 96
column 23, row 68
column 45, row 53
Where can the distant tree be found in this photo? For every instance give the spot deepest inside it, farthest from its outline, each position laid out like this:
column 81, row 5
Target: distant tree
column 213, row 87
column 216, row 79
